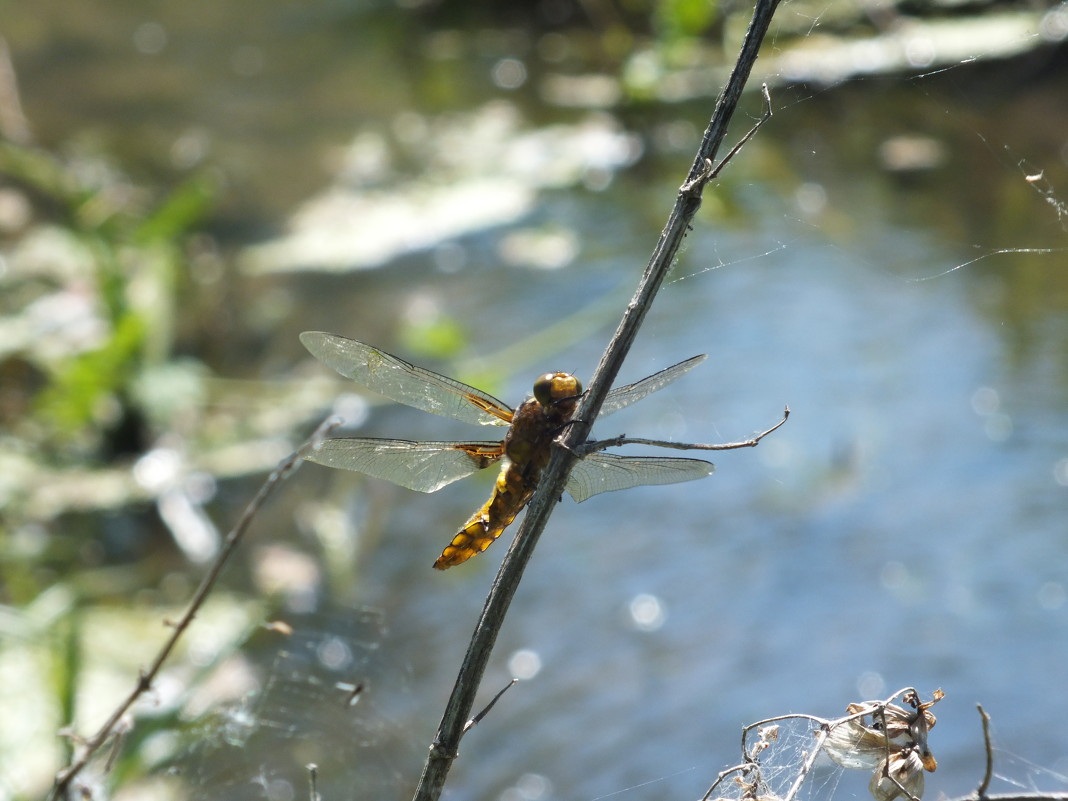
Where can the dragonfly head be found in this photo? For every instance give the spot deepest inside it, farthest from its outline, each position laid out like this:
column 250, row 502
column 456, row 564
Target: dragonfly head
column 552, row 388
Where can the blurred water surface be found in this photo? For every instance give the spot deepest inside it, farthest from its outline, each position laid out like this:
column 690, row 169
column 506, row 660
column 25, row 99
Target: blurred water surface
column 906, row 527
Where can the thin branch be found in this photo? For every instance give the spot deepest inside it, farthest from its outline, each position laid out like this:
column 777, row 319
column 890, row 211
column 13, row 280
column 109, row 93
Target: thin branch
column 776, row 719
column 90, row 746
column 458, row 708
column 810, row 760
column 745, row 767
column 985, row 783
column 623, row 439
column 485, row 710
column 709, row 173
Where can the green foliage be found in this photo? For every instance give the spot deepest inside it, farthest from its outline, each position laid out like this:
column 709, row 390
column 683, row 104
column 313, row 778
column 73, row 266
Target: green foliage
column 679, row 19
column 134, row 250
column 685, row 34
column 79, row 388
column 435, row 336
column 181, row 211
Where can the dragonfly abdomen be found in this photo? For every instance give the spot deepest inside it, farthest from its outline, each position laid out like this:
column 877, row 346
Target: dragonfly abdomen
column 510, row 494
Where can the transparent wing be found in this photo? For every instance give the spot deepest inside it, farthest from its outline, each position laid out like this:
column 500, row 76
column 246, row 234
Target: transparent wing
column 405, row 383
column 421, row 466
column 620, row 397
column 606, row 472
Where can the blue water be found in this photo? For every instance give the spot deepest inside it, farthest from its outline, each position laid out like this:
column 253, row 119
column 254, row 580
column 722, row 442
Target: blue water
column 906, row 527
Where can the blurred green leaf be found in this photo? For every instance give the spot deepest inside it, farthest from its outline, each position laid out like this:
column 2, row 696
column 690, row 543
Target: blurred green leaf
column 74, row 398
column 181, row 210
column 677, row 19
column 435, row 336
column 39, row 170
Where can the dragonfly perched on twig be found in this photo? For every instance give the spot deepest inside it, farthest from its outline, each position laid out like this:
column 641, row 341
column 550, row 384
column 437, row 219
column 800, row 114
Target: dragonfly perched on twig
column 524, row 450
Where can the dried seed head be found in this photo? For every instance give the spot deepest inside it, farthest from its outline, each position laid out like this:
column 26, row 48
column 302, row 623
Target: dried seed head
column 903, row 770
column 889, row 739
column 854, row 745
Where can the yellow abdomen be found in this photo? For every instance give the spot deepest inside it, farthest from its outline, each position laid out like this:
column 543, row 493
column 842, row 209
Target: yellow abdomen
column 510, row 495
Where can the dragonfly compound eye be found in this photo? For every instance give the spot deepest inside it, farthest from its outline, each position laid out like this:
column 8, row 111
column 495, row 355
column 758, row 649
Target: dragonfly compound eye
column 553, row 387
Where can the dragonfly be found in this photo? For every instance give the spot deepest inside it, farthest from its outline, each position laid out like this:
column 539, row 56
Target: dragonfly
column 522, row 453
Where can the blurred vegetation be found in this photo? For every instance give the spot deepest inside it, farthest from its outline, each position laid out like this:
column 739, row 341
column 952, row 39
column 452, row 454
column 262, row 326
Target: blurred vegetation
column 95, row 266
column 118, row 271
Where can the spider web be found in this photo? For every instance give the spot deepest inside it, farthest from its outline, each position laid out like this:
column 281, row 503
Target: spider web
column 780, row 752
column 800, row 757
column 1014, row 773
column 315, row 704
column 797, row 78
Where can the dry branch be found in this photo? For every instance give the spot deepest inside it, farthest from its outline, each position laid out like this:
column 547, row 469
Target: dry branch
column 443, row 750
column 623, row 439
column 64, row 780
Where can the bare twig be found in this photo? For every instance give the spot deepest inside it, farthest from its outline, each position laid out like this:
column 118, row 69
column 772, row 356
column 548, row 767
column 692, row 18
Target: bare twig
column 457, row 710
column 810, row 760
column 89, row 747
column 822, row 731
column 744, row 768
column 988, row 774
column 623, row 439
column 709, row 172
column 485, row 710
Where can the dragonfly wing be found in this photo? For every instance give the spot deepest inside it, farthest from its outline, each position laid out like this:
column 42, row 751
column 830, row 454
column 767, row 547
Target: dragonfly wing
column 421, row 466
column 405, row 383
column 606, row 472
column 632, row 393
